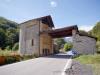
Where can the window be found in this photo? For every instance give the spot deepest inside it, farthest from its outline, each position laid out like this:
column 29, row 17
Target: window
column 32, row 42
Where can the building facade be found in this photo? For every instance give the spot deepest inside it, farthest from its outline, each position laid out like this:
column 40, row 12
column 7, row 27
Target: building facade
column 33, row 40
column 36, row 37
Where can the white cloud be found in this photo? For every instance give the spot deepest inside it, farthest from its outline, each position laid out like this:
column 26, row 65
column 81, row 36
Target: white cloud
column 53, row 4
column 86, row 28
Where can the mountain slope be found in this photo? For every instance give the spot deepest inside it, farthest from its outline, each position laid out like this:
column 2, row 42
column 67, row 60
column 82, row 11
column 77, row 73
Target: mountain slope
column 9, row 33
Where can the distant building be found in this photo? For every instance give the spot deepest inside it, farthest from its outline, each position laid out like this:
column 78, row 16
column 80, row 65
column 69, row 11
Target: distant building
column 36, row 37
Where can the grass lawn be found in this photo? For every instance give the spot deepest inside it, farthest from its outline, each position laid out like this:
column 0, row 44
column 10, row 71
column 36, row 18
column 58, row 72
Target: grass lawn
column 93, row 60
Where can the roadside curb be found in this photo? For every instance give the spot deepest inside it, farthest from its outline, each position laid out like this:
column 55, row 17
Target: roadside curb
column 67, row 66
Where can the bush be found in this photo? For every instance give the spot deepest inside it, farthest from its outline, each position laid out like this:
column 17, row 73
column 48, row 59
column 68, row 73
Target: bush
column 8, row 53
column 8, row 48
column 67, row 46
column 10, row 60
column 98, row 46
column 27, row 57
column 15, row 47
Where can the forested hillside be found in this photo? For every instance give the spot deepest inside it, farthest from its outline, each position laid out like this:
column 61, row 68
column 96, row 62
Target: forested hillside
column 9, row 33
column 96, row 31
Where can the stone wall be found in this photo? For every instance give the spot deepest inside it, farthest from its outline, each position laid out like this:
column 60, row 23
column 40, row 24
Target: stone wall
column 29, row 38
column 31, row 41
column 84, row 44
column 46, row 41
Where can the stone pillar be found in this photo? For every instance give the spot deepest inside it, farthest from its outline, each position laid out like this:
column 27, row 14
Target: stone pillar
column 73, row 35
column 22, row 47
column 52, row 46
column 74, row 38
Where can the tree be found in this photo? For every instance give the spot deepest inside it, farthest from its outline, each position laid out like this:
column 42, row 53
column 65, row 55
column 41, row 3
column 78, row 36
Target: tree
column 96, row 31
column 9, row 33
column 2, row 39
column 8, row 48
column 15, row 47
column 12, row 37
column 67, row 46
column 59, row 42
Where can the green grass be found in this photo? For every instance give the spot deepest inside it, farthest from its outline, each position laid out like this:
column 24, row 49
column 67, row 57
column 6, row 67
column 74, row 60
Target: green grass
column 8, row 53
column 93, row 60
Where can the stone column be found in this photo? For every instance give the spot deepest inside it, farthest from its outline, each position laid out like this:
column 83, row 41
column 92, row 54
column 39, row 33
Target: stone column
column 52, row 46
column 74, row 38
column 22, row 42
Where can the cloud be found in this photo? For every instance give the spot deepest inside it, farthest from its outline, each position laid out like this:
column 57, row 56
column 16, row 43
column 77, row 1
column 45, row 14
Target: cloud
column 86, row 28
column 53, row 4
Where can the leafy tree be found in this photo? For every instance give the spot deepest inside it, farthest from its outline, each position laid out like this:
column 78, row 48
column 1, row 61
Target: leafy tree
column 8, row 48
column 96, row 31
column 15, row 47
column 98, row 46
column 2, row 39
column 12, row 37
column 9, row 33
column 59, row 42
column 67, row 46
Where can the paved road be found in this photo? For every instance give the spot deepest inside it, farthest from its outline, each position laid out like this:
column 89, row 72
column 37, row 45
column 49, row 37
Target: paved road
column 51, row 65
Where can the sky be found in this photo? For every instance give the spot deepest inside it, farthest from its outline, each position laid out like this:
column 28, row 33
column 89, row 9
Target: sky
column 84, row 13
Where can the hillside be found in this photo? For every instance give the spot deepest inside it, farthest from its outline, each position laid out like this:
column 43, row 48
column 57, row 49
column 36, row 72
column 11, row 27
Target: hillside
column 96, row 31
column 9, row 33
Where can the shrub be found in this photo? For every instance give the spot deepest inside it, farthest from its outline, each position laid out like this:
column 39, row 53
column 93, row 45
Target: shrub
column 67, row 46
column 8, row 53
column 8, row 48
column 15, row 47
column 27, row 57
column 10, row 59
column 18, row 57
column 98, row 46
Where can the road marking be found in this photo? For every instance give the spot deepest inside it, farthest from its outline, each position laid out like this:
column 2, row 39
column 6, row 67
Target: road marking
column 67, row 66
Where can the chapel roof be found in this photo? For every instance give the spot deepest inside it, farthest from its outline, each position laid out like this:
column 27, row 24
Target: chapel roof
column 45, row 19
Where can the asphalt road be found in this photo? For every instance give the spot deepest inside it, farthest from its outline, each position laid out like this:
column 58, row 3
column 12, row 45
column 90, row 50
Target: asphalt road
column 50, row 65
